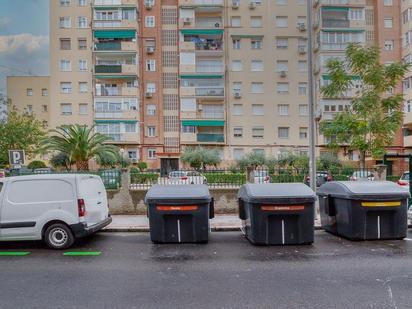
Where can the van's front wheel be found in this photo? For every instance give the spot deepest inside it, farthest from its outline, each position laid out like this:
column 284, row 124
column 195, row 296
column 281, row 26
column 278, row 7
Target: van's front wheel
column 58, row 236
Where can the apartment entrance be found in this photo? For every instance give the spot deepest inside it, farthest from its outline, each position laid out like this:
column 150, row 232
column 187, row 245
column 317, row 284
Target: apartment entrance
column 168, row 165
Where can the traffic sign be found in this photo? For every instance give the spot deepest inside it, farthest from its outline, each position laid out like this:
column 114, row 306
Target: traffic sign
column 16, row 157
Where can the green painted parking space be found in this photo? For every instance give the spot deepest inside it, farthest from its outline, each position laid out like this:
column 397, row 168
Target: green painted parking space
column 14, row 253
column 82, row 253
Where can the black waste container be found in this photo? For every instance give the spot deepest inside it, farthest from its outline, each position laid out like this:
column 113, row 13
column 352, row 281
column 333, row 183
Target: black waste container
column 364, row 210
column 277, row 213
column 179, row 214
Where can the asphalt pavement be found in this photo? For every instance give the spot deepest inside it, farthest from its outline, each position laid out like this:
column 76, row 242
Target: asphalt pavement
column 127, row 271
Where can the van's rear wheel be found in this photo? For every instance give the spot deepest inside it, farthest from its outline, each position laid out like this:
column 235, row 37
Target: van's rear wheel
column 58, row 236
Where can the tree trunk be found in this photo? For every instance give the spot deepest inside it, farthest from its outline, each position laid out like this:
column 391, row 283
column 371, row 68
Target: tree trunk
column 362, row 159
column 82, row 165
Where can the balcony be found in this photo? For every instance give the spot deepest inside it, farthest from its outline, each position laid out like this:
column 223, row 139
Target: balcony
column 115, row 24
column 201, row 2
column 335, row 23
column 127, row 46
column 210, row 137
column 124, row 137
column 116, row 91
column 343, row 2
column 212, row 115
column 118, row 114
column 117, row 68
column 110, row 3
column 205, row 68
column 210, row 92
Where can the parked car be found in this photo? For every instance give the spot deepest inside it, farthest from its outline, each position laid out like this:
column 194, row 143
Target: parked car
column 186, row 178
column 2, row 175
column 321, row 178
column 362, row 176
column 261, row 176
column 55, row 208
column 404, row 180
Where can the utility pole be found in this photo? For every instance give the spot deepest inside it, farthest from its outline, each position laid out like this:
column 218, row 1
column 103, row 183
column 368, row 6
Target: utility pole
column 312, row 123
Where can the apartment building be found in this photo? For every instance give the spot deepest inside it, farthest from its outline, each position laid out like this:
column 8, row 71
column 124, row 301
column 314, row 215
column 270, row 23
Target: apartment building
column 30, row 94
column 406, row 31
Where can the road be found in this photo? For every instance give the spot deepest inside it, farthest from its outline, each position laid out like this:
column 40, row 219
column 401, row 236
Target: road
column 228, row 272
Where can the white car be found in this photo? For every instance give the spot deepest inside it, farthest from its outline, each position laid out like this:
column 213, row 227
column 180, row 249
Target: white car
column 404, row 180
column 186, row 178
column 54, row 208
column 362, row 176
column 261, row 176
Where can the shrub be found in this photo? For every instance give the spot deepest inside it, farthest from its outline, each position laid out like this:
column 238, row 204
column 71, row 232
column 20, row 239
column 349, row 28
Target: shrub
column 141, row 166
column 36, row 164
column 137, row 177
column 232, row 178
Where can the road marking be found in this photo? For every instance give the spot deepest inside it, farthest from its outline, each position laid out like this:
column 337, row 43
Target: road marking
column 283, row 232
column 82, row 253
column 178, row 231
column 14, row 253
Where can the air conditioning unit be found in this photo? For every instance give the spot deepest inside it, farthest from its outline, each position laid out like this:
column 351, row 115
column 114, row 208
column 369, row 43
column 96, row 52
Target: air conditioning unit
column 200, row 107
column 302, row 49
column 283, row 73
column 149, row 94
column 187, row 20
column 217, row 25
column 148, row 5
column 150, row 49
column 301, row 26
column 237, row 94
column 235, row 4
column 252, row 5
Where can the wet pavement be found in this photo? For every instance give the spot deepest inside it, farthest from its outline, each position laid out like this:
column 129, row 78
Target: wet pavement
column 228, row 272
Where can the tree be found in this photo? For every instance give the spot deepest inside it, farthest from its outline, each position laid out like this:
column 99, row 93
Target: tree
column 252, row 159
column 109, row 160
column 20, row 131
column 375, row 113
column 60, row 160
column 36, row 164
column 200, row 157
column 80, row 143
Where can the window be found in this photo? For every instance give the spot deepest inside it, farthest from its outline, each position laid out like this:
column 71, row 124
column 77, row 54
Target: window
column 83, row 108
column 132, row 154
column 82, row 43
column 151, row 87
column 283, row 109
column 188, row 104
column 283, row 132
column 302, row 42
column 151, row 153
column 130, row 127
column 281, row 65
column 29, row 92
column 301, row 2
column 281, row 2
column 258, row 110
column 237, row 132
column 188, row 129
column 235, row 21
column 238, row 153
column 256, row 21
column 64, row 2
column 388, row 22
column 302, row 87
column 281, row 21
column 65, row 22
column 303, row 133
column 81, row 3
column 44, row 108
column 387, row 2
column 282, row 43
column 237, row 109
column 83, row 87
column 256, row 43
column 388, row 45
column 301, row 20
column 303, row 110
column 44, row 92
column 151, row 65
column 151, row 131
column 282, row 88
column 236, row 43
column 258, row 132
column 66, row 109
column 256, row 66
column 302, row 66
column 149, row 21
column 237, row 87
column 151, row 109
column 356, row 14
column 81, row 22
column 256, row 87
column 65, row 65
column 82, row 65
column 29, row 109
column 65, row 44
column 149, row 2
column 65, row 87
column 237, row 65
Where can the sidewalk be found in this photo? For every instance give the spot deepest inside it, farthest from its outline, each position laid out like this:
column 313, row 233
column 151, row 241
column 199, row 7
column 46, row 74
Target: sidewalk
column 133, row 223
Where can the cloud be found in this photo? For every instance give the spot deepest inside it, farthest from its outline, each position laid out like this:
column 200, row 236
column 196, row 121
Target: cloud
column 4, row 22
column 24, row 43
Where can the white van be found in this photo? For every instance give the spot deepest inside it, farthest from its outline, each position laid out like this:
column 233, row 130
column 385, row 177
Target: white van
column 55, row 208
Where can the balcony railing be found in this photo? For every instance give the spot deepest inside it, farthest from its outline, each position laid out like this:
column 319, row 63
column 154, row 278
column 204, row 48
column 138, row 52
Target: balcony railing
column 208, row 2
column 116, row 137
column 108, row 114
column 334, row 46
column 107, row 23
column 107, row 2
column 208, row 23
column 332, row 2
column 212, row 45
column 335, row 23
column 210, row 92
column 108, row 68
column 208, row 137
column 213, row 115
column 108, row 46
column 209, row 68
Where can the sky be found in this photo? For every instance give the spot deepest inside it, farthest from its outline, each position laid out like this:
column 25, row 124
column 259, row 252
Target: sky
column 24, row 38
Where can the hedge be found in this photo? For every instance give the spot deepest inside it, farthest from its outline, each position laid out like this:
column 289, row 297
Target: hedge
column 144, row 178
column 235, row 178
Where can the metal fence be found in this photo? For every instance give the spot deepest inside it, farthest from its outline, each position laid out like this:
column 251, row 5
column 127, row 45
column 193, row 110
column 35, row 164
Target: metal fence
column 112, row 179
column 230, row 178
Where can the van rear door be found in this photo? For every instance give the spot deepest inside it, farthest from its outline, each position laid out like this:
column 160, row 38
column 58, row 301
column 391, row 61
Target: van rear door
column 93, row 193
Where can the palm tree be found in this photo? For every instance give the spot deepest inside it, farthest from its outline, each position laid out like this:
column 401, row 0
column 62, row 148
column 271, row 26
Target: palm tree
column 80, row 143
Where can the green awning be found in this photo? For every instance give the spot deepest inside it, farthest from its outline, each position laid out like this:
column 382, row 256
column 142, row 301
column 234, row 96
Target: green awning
column 114, row 121
column 343, row 30
column 202, row 31
column 115, row 76
column 334, row 8
column 201, row 76
column 203, row 123
column 115, row 34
